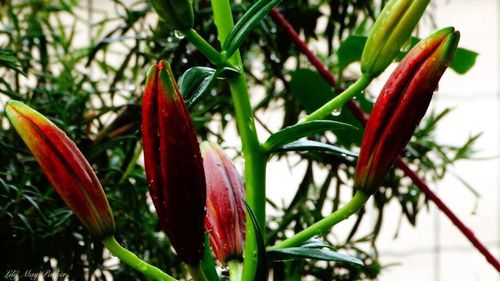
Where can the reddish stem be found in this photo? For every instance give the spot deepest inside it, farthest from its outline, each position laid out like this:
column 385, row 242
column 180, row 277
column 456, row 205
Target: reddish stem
column 320, row 67
column 442, row 206
column 362, row 116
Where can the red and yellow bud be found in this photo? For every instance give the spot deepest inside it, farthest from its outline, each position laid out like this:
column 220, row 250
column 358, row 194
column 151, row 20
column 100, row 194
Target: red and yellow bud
column 174, row 167
column 65, row 167
column 225, row 210
column 401, row 105
column 391, row 31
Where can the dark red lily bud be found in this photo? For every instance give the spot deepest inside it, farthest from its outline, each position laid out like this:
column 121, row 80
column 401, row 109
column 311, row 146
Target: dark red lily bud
column 401, row 105
column 174, row 167
column 65, row 167
column 225, row 211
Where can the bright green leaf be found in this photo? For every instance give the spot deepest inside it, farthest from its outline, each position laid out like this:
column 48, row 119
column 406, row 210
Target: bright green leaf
column 295, row 253
column 196, row 82
column 301, row 130
column 247, row 23
column 308, row 145
column 207, row 262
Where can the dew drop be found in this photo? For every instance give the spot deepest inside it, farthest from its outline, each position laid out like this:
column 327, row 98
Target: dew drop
column 406, row 46
column 179, row 35
column 337, row 112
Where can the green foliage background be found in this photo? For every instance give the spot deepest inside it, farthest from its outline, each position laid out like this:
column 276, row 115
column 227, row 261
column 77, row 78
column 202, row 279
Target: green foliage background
column 90, row 85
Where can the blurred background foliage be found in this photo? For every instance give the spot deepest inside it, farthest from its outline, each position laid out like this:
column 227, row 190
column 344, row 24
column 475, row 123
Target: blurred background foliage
column 83, row 64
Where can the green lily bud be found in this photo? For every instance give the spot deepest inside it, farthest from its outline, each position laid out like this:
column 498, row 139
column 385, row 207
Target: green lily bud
column 391, row 31
column 178, row 14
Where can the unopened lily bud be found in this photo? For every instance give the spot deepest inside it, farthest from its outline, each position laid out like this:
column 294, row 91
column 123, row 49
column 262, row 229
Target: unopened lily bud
column 391, row 31
column 174, row 167
column 401, row 105
column 178, row 14
column 225, row 218
column 65, row 167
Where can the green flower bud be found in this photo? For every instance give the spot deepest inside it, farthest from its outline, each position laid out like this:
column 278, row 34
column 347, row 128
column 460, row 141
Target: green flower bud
column 391, row 31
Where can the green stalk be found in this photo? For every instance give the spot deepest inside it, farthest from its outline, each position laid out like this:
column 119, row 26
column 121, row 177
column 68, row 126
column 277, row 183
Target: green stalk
column 204, row 47
column 196, row 273
column 255, row 159
column 340, row 100
column 234, row 270
column 356, row 203
column 133, row 261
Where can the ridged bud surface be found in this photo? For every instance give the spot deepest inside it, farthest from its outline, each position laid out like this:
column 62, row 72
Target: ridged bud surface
column 66, row 168
column 225, row 219
column 401, row 105
column 174, row 167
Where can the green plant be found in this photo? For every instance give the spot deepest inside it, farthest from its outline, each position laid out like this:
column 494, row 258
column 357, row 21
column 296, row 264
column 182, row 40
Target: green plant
column 97, row 105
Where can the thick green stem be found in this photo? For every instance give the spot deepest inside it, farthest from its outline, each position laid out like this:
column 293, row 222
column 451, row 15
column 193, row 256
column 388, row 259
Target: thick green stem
column 255, row 159
column 133, row 261
column 356, row 203
column 196, row 273
column 204, row 47
column 234, row 270
column 341, row 99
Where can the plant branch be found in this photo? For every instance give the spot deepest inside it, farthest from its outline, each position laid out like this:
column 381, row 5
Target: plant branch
column 340, row 100
column 356, row 203
column 358, row 112
column 255, row 159
column 204, row 47
column 454, row 219
column 133, row 261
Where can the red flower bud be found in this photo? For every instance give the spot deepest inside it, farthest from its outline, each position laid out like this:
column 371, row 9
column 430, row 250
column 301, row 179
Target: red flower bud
column 65, row 167
column 174, row 167
column 225, row 211
column 401, row 105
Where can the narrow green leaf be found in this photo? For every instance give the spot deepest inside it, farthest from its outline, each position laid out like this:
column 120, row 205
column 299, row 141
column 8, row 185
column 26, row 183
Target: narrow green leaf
column 207, row 262
column 196, row 82
column 295, row 253
column 315, row 244
column 260, row 272
column 8, row 60
column 308, row 145
column 247, row 23
column 301, row 130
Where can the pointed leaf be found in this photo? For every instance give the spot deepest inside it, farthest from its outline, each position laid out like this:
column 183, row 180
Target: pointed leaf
column 307, row 145
column 295, row 253
column 260, row 272
column 9, row 60
column 301, row 130
column 196, row 82
column 207, row 262
column 315, row 244
column 247, row 23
